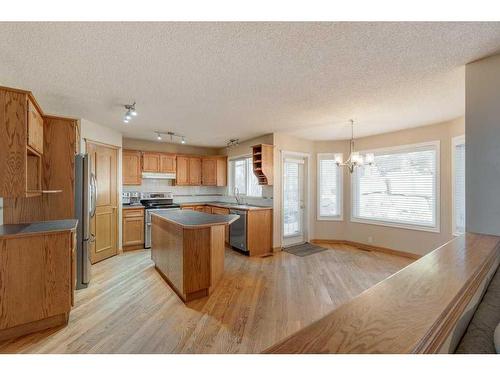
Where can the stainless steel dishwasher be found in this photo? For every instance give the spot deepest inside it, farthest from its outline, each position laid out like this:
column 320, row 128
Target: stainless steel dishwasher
column 238, row 231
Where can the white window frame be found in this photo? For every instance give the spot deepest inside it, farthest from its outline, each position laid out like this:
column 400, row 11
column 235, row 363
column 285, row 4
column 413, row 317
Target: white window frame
column 231, row 185
column 455, row 141
column 437, row 207
column 340, row 182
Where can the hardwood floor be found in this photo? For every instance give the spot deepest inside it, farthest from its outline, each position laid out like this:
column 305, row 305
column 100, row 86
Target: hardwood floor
column 129, row 308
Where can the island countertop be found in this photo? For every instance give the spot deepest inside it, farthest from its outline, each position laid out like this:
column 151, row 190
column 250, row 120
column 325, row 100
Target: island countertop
column 195, row 219
column 14, row 230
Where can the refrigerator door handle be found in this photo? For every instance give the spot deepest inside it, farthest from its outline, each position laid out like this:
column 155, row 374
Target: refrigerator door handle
column 93, row 192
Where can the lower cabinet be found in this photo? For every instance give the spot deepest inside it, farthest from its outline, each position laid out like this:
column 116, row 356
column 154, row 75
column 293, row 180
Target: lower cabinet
column 133, row 228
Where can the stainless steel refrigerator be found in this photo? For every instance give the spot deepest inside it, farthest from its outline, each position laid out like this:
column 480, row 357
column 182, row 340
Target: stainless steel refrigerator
column 85, row 199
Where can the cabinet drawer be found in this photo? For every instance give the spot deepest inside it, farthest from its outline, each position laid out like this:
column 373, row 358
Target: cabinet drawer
column 132, row 212
column 220, row 211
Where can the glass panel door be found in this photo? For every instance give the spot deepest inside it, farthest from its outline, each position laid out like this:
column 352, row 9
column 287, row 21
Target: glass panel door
column 293, row 201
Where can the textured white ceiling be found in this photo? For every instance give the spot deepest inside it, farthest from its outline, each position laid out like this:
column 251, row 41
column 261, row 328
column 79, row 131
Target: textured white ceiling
column 215, row 81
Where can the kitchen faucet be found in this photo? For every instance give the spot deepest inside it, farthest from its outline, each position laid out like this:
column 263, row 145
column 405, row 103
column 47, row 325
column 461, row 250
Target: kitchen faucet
column 237, row 196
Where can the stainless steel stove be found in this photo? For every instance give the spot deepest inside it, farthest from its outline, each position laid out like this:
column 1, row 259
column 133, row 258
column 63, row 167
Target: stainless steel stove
column 155, row 202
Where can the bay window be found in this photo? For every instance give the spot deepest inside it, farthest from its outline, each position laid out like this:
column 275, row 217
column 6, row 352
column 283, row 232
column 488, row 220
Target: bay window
column 401, row 189
column 329, row 188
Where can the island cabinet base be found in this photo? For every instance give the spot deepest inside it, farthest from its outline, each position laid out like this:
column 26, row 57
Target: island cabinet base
column 191, row 260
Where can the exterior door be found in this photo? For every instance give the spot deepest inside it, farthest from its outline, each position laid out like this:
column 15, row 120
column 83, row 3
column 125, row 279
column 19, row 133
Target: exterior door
column 103, row 225
column 293, row 201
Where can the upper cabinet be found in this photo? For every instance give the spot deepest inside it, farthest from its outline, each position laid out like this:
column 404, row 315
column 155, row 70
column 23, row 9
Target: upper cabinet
column 182, row 174
column 158, row 162
column 194, row 171
column 35, row 128
column 150, row 162
column 131, row 167
column 21, row 145
column 167, row 163
column 188, row 171
column 263, row 161
column 214, row 171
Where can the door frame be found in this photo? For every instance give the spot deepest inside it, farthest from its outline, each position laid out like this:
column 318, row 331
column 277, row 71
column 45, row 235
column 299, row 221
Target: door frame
column 118, row 149
column 307, row 196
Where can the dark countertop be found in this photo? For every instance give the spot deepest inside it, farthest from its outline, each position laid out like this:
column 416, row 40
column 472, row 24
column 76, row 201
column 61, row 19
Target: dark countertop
column 20, row 230
column 195, row 219
column 234, row 206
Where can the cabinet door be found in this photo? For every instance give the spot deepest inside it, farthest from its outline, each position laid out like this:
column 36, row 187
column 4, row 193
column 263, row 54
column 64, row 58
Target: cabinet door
column 35, row 128
column 150, row 162
column 133, row 227
column 195, row 171
column 182, row 173
column 131, row 167
column 167, row 163
column 209, row 172
column 221, row 171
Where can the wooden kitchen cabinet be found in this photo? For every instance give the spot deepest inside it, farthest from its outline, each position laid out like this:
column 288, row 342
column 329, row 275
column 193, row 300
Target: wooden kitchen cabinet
column 182, row 173
column 37, row 270
column 167, row 163
column 222, row 211
column 214, row 171
column 195, row 171
column 21, row 144
column 131, row 162
column 188, row 171
column 133, row 228
column 151, row 162
column 263, row 163
column 35, row 128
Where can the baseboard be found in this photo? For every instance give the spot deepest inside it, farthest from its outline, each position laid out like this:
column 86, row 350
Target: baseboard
column 367, row 247
column 59, row 320
column 276, row 249
column 133, row 247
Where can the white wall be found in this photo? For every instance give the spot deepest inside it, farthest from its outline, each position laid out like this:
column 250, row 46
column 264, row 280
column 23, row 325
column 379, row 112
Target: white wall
column 482, row 156
column 94, row 132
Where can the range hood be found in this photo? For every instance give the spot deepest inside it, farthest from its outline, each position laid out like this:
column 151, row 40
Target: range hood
column 159, row 176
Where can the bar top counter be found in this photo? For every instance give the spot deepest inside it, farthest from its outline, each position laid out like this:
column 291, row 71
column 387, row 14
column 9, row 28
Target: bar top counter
column 188, row 248
column 22, row 230
column 195, row 219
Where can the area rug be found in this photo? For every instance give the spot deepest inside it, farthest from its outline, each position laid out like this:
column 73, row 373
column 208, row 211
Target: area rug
column 304, row 249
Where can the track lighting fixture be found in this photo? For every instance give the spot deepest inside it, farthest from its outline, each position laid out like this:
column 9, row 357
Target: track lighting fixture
column 131, row 112
column 173, row 136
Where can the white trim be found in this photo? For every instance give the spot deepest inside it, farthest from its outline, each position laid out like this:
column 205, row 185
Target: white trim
column 340, row 189
column 437, row 208
column 455, row 141
column 307, row 197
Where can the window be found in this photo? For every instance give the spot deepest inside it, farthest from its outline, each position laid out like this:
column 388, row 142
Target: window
column 458, row 162
column 329, row 188
column 400, row 189
column 243, row 178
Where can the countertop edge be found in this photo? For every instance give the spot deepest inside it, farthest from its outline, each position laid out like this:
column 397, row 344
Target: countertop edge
column 38, row 232
column 188, row 226
column 235, row 207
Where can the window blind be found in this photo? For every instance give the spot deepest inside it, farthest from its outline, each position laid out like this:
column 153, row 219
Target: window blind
column 459, row 186
column 399, row 189
column 330, row 185
column 291, row 199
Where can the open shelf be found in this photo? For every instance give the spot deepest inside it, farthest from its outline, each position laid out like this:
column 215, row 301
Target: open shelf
column 263, row 163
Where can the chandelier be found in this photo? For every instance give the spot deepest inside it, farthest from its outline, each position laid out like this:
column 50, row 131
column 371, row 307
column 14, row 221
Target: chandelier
column 355, row 159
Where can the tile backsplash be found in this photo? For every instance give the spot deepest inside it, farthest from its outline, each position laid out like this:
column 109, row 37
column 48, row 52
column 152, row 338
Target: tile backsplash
column 198, row 193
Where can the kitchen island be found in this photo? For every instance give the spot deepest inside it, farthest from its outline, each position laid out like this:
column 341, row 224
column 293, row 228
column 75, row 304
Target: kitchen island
column 188, row 250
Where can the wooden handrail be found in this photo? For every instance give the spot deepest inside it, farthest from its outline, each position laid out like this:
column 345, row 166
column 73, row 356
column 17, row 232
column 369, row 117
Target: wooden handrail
column 413, row 311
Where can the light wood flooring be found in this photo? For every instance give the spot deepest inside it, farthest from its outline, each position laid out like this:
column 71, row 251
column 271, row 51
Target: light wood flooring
column 129, row 308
